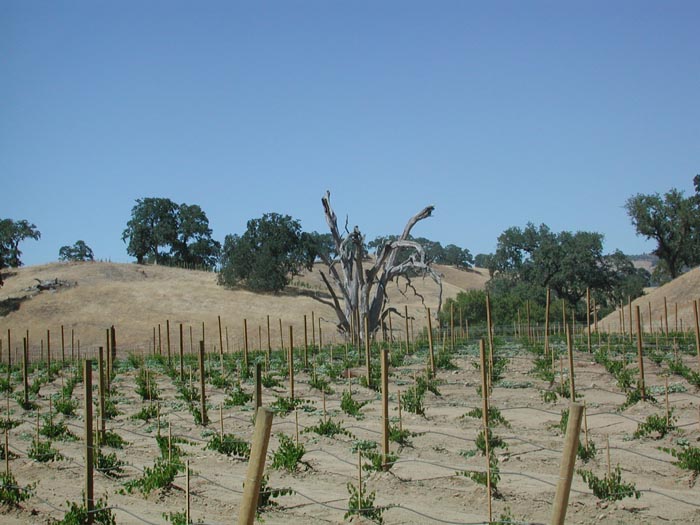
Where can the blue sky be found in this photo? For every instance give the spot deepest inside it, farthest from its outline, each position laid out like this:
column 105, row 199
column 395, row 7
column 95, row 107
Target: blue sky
column 498, row 113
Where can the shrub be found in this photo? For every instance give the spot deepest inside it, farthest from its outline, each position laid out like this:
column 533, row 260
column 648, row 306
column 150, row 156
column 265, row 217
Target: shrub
column 11, row 494
column 350, row 406
column 77, row 513
column 229, row 445
column 610, row 487
column 288, row 455
column 363, row 505
column 657, row 424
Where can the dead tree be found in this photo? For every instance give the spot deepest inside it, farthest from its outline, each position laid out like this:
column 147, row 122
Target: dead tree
column 360, row 295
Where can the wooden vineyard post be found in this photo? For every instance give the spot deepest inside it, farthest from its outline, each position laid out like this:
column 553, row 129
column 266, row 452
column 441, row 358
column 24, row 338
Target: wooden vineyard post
column 546, row 325
column 489, row 329
column 668, row 413
column 245, row 343
column 452, row 327
column 48, row 351
column 63, row 347
column 7, row 450
column 665, row 317
column 313, row 333
column 431, row 353
column 182, row 357
column 588, row 319
column 697, row 330
column 306, row 344
column 167, row 340
column 108, row 364
column 408, row 343
column 291, row 362
column 203, row 406
column 187, row 491
column 640, row 356
column 385, row 408
column 269, row 344
column 256, row 466
column 101, row 387
column 221, row 344
column 570, row 351
column 258, row 385
column 112, row 350
column 485, row 414
column 25, row 371
column 89, row 460
column 629, row 305
column 568, row 462
column 320, row 336
column 368, row 357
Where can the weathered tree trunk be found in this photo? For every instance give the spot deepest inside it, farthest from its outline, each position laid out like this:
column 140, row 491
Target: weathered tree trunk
column 361, row 293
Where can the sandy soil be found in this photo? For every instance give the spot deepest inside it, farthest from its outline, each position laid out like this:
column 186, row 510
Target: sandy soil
column 422, row 485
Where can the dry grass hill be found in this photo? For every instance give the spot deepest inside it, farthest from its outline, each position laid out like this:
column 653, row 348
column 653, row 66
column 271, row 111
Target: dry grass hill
column 679, row 295
column 136, row 298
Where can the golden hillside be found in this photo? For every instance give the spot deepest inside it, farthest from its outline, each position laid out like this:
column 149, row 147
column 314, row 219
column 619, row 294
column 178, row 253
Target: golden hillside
column 679, row 295
column 136, row 298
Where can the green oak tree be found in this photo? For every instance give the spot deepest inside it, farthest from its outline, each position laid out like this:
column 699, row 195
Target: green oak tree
column 78, row 252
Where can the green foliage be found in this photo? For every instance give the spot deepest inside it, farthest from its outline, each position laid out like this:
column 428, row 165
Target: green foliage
column 272, row 250
column 78, row 252
column 285, row 405
column 65, row 406
column 401, row 437
column 350, row 406
column 229, row 445
column 494, row 442
column 635, row 396
column 376, row 459
column 548, row 396
column 688, row 458
column 11, row 494
column 584, row 453
column 5, row 385
column 543, row 368
column 182, row 231
column 161, row 475
column 266, row 495
column 363, row 505
column 42, row 451
column 146, row 413
column 11, row 234
column 610, row 487
column 328, row 427
column 269, row 381
column 237, row 397
column 320, row 383
column 146, row 385
column 288, row 455
column 77, row 513
column 495, row 416
column 655, row 424
column 109, row 464
column 672, row 221
column 480, row 477
column 112, row 439
column 412, row 400
column 53, row 429
column 564, row 421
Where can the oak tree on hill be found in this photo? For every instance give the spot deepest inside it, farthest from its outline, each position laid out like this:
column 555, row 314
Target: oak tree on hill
column 673, row 221
column 162, row 231
column 271, row 250
column 78, row 252
column 11, row 234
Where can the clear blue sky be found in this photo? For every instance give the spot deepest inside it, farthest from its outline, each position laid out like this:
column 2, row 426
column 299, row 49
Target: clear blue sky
column 498, row 113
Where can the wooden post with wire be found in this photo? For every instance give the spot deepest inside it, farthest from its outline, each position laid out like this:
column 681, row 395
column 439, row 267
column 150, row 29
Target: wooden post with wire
column 485, row 413
column 640, row 356
column 291, row 362
column 368, row 356
column 570, row 351
column 89, row 459
column 431, row 353
column 546, row 324
column 568, row 462
column 202, row 396
column 385, row 408
column 256, row 466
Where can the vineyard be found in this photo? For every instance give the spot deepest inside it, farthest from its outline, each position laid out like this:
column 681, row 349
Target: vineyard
column 161, row 451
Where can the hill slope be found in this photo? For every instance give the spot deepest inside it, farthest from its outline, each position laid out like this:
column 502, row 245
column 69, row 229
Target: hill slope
column 679, row 294
column 136, row 298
